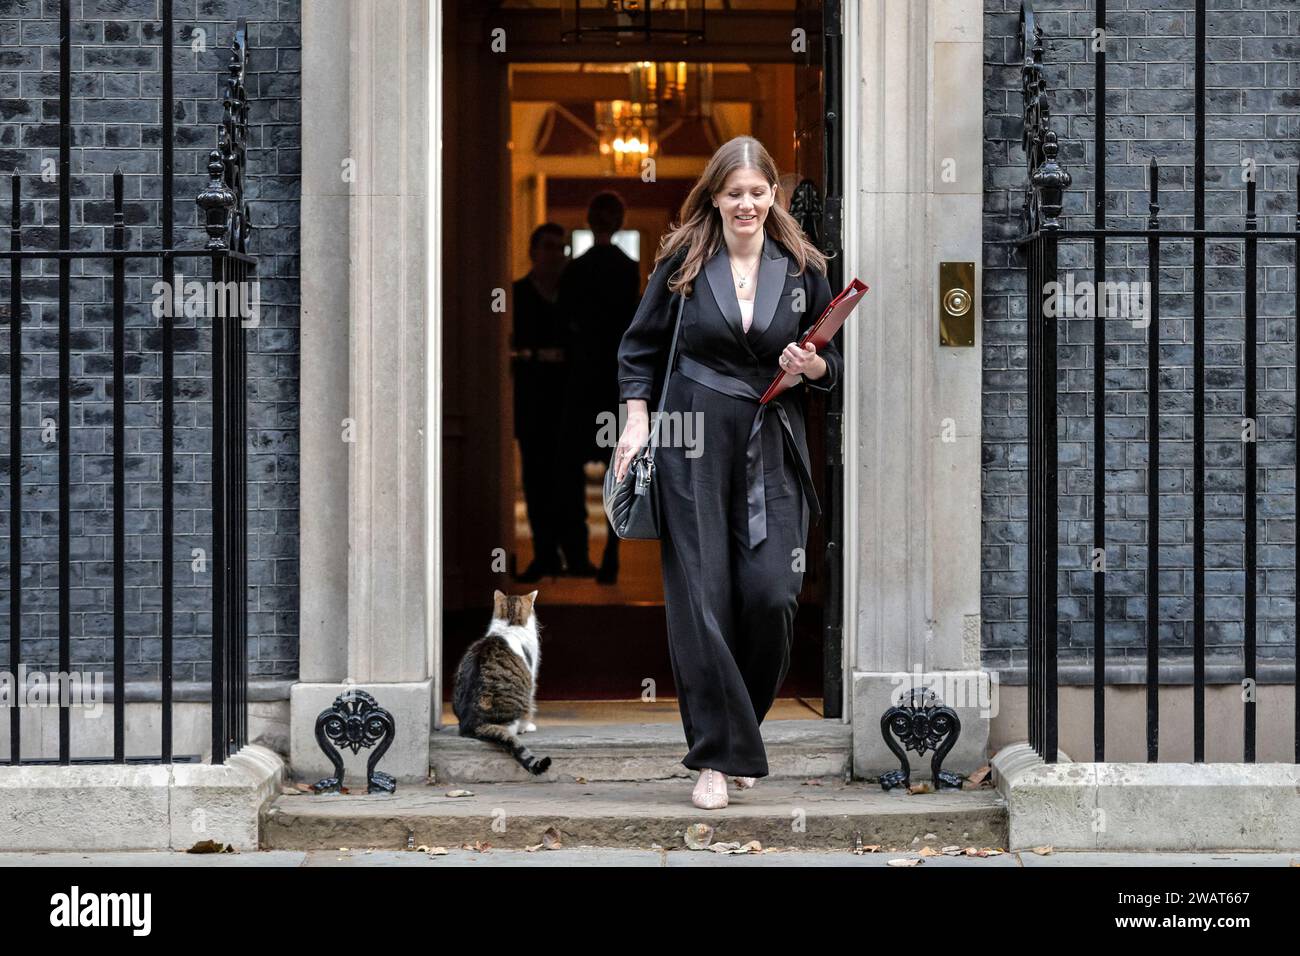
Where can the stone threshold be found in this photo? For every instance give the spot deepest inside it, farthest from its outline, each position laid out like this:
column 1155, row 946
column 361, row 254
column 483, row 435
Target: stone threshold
column 630, row 752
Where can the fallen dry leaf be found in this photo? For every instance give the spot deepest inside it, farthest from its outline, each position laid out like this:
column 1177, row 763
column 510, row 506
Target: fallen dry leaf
column 210, row 846
column 478, row 846
column 919, row 788
column 930, row 851
column 438, row 851
column 459, row 793
column 1044, row 850
column 978, row 776
column 753, row 846
column 906, row 861
column 953, row 850
column 551, row 839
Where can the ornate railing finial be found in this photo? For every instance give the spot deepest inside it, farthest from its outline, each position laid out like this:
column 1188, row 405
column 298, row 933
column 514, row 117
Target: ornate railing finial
column 1046, row 179
column 1049, row 181
column 224, row 195
column 216, row 201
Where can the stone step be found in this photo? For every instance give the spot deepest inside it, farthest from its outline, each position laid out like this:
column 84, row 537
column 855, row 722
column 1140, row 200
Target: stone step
column 648, row 751
column 807, row 814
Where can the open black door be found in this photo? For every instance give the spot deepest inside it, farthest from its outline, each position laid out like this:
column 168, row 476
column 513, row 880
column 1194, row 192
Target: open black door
column 832, row 242
column 817, row 204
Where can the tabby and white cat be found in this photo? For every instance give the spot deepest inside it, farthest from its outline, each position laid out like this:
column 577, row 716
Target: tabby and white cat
column 496, row 680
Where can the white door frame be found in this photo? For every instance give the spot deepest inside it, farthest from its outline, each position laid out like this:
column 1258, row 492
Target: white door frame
column 433, row 492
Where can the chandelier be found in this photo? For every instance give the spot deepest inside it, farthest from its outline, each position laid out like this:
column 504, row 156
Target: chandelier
column 627, row 134
column 620, row 21
column 661, row 98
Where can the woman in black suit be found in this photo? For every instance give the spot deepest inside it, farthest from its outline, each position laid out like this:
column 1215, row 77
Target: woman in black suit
column 733, row 477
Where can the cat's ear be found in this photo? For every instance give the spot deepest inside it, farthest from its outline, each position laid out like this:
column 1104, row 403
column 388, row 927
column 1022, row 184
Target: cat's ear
column 497, row 595
column 532, row 598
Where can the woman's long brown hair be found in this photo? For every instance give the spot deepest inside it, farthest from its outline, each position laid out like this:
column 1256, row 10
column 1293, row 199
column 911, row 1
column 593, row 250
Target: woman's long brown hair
column 699, row 227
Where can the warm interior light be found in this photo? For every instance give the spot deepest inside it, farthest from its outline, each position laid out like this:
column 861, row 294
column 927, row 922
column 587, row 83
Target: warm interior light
column 626, row 134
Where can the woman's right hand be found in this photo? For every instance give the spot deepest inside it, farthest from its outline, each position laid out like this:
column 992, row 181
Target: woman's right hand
column 634, row 436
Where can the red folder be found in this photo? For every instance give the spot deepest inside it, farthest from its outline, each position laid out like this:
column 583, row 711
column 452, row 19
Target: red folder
column 822, row 331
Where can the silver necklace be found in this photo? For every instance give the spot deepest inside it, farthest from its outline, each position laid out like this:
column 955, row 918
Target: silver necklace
column 745, row 278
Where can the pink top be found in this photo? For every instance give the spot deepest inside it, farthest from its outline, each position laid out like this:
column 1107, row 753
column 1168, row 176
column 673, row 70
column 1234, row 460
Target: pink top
column 746, row 312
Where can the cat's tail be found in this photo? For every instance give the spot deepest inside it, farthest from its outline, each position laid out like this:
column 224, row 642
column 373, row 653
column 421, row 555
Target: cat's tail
column 500, row 734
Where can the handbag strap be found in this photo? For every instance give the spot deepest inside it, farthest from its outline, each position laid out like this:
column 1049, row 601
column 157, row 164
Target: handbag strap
column 668, row 373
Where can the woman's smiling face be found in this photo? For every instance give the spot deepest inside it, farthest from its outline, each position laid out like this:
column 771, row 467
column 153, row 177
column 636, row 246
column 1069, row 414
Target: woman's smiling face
column 744, row 202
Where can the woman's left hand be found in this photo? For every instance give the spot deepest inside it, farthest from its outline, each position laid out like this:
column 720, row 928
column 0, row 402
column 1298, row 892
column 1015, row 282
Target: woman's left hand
column 797, row 361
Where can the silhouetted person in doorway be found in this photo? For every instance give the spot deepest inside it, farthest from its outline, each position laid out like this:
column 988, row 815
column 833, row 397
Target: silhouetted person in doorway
column 540, row 369
column 599, row 294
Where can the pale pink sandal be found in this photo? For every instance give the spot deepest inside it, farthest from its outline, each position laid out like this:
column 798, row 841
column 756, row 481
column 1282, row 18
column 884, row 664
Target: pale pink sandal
column 710, row 791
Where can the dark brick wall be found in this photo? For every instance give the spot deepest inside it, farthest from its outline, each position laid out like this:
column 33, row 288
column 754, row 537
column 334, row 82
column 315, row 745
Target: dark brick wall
column 1253, row 107
column 116, row 65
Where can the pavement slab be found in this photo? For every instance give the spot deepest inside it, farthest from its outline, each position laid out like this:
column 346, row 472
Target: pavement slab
column 609, row 857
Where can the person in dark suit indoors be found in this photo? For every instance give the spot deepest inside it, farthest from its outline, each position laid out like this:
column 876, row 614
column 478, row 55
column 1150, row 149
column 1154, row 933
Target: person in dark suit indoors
column 540, row 371
column 598, row 295
column 735, row 499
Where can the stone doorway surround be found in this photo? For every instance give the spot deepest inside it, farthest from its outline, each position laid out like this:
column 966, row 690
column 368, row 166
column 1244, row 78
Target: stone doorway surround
column 914, row 95
column 370, row 509
column 369, row 338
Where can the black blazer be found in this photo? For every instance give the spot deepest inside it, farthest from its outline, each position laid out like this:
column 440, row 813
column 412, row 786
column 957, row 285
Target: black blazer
column 712, row 330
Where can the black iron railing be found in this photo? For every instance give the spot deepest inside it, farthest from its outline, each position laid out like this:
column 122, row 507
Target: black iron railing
column 226, row 259
column 1044, row 237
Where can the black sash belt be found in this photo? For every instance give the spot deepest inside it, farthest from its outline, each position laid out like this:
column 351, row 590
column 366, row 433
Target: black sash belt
column 752, row 389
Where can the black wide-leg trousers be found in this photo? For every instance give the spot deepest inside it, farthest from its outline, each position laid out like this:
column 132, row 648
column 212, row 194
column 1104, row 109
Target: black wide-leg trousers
column 730, row 609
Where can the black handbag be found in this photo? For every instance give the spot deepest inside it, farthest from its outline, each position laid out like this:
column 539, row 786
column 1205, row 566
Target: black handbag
column 632, row 505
